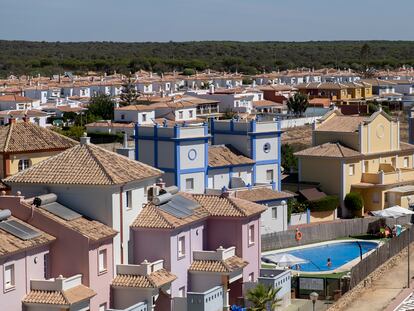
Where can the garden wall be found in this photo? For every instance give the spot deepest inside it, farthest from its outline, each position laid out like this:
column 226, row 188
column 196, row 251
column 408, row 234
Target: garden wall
column 320, row 232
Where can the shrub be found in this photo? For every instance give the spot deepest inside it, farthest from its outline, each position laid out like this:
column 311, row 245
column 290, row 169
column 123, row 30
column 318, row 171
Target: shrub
column 354, row 201
column 328, row 203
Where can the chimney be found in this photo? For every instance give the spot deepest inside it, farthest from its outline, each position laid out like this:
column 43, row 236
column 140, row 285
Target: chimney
column 85, row 140
column 25, row 118
column 211, row 88
column 160, row 183
column 12, row 120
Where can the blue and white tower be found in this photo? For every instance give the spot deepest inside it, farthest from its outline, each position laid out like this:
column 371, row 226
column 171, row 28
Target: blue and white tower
column 260, row 141
column 179, row 150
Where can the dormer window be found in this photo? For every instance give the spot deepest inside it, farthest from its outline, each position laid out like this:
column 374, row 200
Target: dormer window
column 144, row 117
column 23, row 164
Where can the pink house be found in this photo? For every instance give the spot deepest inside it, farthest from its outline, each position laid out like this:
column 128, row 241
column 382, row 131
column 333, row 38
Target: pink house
column 176, row 227
column 82, row 246
column 22, row 258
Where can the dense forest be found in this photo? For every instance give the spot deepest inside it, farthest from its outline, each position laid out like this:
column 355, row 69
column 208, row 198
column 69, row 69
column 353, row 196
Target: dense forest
column 46, row 58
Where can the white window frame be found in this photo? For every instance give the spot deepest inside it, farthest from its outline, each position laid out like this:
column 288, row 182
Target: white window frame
column 104, row 267
column 181, row 292
column 191, row 114
column 181, row 247
column 351, row 170
column 103, row 306
column 406, row 162
column 144, row 117
column 272, row 172
column 23, row 164
column 180, row 115
column 128, row 199
column 250, row 235
column 192, row 183
column 274, row 212
column 8, row 286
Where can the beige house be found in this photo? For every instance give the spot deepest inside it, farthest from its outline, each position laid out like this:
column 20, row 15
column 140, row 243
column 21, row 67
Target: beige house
column 361, row 154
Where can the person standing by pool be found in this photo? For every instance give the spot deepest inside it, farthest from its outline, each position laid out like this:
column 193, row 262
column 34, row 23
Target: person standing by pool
column 329, row 262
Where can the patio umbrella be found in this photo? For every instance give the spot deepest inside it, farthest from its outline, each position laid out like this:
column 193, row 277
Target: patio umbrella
column 394, row 212
column 284, row 259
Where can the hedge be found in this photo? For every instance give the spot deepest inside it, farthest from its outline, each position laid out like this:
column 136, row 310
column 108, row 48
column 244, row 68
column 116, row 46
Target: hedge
column 328, row 203
column 354, row 201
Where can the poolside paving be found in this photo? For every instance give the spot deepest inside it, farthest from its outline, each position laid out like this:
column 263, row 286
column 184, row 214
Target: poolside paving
column 386, row 291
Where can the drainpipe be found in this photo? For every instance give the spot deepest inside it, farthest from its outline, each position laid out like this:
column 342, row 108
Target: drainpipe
column 121, row 222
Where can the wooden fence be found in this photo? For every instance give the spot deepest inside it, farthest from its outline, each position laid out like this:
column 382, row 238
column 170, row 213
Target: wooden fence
column 386, row 251
column 314, row 233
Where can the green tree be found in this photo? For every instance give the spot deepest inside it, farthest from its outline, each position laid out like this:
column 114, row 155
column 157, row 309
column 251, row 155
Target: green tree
column 297, row 104
column 102, row 107
column 289, row 161
column 354, row 201
column 129, row 93
column 262, row 297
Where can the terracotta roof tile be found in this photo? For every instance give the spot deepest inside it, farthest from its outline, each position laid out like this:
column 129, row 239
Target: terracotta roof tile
column 85, row 164
column 68, row 297
column 11, row 244
column 210, row 205
column 154, row 280
column 226, row 155
column 262, row 194
column 26, row 136
column 224, row 266
column 329, row 150
column 92, row 229
column 15, row 98
column 341, row 124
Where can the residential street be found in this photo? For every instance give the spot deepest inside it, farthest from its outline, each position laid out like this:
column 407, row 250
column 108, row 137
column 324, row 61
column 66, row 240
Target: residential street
column 384, row 294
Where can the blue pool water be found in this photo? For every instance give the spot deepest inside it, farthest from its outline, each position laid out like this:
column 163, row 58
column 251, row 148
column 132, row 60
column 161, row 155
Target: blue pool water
column 339, row 253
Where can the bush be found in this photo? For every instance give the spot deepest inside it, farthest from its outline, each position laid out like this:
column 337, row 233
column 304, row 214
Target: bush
column 328, row 203
column 354, row 201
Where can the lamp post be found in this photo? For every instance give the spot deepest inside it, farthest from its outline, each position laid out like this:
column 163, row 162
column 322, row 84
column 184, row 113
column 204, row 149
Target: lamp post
column 313, row 297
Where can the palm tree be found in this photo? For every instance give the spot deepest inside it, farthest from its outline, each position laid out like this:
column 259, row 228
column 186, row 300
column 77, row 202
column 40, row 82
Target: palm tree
column 298, row 104
column 263, row 297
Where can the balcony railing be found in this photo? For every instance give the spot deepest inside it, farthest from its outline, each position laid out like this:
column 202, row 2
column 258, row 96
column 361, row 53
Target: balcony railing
column 210, row 300
column 400, row 175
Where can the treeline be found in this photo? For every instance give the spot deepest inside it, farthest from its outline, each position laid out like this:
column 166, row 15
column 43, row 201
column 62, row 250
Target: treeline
column 46, row 58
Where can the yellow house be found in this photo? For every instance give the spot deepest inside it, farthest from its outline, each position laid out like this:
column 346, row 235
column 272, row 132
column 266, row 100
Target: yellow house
column 23, row 144
column 361, row 154
column 339, row 92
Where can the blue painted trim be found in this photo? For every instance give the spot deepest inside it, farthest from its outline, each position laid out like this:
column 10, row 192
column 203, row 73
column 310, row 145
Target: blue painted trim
column 206, row 157
column 253, row 150
column 156, row 145
column 177, row 157
column 238, row 133
column 279, row 163
column 183, row 171
column 231, row 125
column 174, row 139
column 212, row 131
column 229, row 166
column 308, row 216
column 136, row 142
column 267, row 162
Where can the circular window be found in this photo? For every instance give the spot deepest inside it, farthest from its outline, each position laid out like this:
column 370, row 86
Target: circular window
column 192, row 154
column 266, row 147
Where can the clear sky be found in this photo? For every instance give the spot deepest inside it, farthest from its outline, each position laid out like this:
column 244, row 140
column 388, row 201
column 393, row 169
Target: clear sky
column 187, row 20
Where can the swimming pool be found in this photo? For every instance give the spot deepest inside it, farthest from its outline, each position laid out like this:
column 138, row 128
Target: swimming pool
column 340, row 254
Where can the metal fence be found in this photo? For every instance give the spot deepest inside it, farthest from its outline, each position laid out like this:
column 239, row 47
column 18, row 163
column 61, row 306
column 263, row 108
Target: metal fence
column 315, row 233
column 386, row 251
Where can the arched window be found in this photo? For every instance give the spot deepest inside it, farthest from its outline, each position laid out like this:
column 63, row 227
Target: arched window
column 23, row 164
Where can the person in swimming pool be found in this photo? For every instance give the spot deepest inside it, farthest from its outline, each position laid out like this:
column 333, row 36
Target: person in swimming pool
column 329, row 262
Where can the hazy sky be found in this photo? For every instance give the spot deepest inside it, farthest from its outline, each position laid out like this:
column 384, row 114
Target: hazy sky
column 186, row 20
